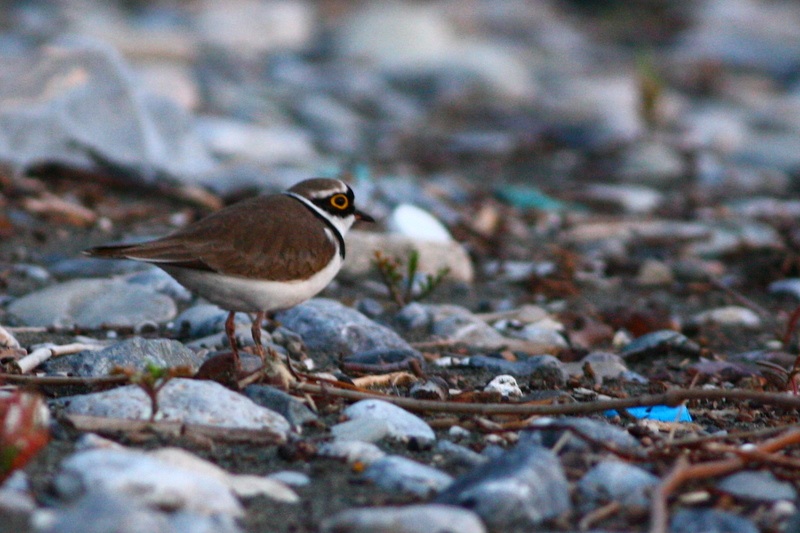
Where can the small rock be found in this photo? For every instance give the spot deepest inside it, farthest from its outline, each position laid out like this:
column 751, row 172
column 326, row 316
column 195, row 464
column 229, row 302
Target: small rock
column 524, row 486
column 402, row 425
column 330, row 328
column 653, row 273
column 731, row 315
column 786, row 286
column 92, row 304
column 633, row 199
column 206, row 319
column 133, row 353
column 295, row 411
column 352, row 451
column 595, row 429
column 161, row 282
column 505, row 385
column 415, row 223
column 652, row 163
column 147, row 480
column 545, row 366
column 291, row 478
column 434, row 388
column 659, row 343
column 408, row 519
column 757, row 486
column 615, row 481
column 710, row 521
column 395, row 473
column 603, row 365
column 414, row 316
column 367, row 430
column 183, row 400
column 460, row 455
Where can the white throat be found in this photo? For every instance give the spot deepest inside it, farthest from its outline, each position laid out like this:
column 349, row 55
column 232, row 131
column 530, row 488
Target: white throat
column 342, row 224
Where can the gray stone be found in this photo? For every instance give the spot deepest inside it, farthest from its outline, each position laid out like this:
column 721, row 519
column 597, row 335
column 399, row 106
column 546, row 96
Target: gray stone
column 659, row 343
column 460, row 455
column 614, row 481
column 523, row 487
column 546, row 366
column 146, row 480
column 330, row 328
column 395, row 473
column 710, row 521
column 161, row 282
column 181, row 400
column 93, row 303
column 600, row 431
column 96, row 512
column 131, row 353
column 757, row 486
column 99, row 115
column 408, row 519
column 206, row 319
column 295, row 411
column 401, row 424
column 366, row 430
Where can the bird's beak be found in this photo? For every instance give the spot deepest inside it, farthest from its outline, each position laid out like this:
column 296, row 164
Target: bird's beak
column 360, row 215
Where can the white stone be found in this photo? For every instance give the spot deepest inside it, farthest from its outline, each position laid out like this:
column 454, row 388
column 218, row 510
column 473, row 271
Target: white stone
column 402, row 425
column 416, row 223
column 408, row 519
column 506, row 385
column 731, row 315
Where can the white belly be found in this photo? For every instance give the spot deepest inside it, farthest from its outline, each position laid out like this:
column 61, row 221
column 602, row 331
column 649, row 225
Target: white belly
column 235, row 293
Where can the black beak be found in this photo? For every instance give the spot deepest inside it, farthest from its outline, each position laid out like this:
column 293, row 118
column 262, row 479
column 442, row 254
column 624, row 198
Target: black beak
column 360, row 215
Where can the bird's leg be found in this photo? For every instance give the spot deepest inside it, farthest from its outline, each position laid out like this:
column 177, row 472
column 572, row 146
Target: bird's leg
column 230, row 331
column 256, row 331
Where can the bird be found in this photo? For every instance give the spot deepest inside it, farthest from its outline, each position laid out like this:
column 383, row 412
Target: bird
column 260, row 255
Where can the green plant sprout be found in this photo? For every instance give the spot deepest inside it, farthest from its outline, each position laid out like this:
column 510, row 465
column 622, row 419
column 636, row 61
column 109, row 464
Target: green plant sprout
column 152, row 379
column 402, row 285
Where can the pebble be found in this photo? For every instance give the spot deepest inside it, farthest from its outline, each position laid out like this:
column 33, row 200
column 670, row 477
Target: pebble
column 93, row 304
column 730, row 316
column 144, row 479
column 292, row 409
column 710, row 521
column 351, row 451
column 651, row 163
column 160, row 282
column 181, row 400
column 632, row 199
column 401, row 425
column 789, row 286
column 459, row 455
column 433, row 255
column 603, row 364
column 653, row 273
column 524, row 486
column 545, row 366
column 595, row 429
column 424, row 518
column 135, row 353
column 658, row 343
column 615, row 481
column 206, row 319
column 415, row 223
column 757, row 486
column 330, row 328
column 505, row 385
column 396, row 473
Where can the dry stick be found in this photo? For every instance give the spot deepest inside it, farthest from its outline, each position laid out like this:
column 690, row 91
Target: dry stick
column 673, row 397
column 683, row 471
column 40, row 355
column 63, row 381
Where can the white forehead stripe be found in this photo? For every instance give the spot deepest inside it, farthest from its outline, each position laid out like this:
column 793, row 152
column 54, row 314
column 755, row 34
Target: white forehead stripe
column 324, row 193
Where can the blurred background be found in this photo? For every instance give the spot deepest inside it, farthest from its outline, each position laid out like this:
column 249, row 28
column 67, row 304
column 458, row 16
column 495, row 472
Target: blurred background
column 245, row 94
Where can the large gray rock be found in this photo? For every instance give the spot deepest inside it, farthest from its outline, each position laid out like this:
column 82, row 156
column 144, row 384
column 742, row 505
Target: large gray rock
column 522, row 487
column 408, row 519
column 76, row 101
column 330, row 328
column 93, row 303
column 181, row 400
column 131, row 353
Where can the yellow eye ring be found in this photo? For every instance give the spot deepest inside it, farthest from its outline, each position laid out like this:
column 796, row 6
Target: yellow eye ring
column 340, row 201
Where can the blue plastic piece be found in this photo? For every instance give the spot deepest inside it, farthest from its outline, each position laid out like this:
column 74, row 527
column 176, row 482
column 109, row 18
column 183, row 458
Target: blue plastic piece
column 663, row 413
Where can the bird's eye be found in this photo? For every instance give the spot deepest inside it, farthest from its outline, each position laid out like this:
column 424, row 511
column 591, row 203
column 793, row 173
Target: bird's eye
column 340, row 201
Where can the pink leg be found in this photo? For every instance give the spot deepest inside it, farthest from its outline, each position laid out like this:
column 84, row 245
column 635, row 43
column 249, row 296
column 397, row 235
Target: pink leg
column 230, row 331
column 256, row 331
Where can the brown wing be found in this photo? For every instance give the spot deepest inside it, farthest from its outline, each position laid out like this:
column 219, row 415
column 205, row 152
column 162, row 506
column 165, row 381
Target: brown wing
column 249, row 239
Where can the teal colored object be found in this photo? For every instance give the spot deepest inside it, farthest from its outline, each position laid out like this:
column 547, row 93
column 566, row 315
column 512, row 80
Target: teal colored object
column 524, row 197
column 662, row 413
